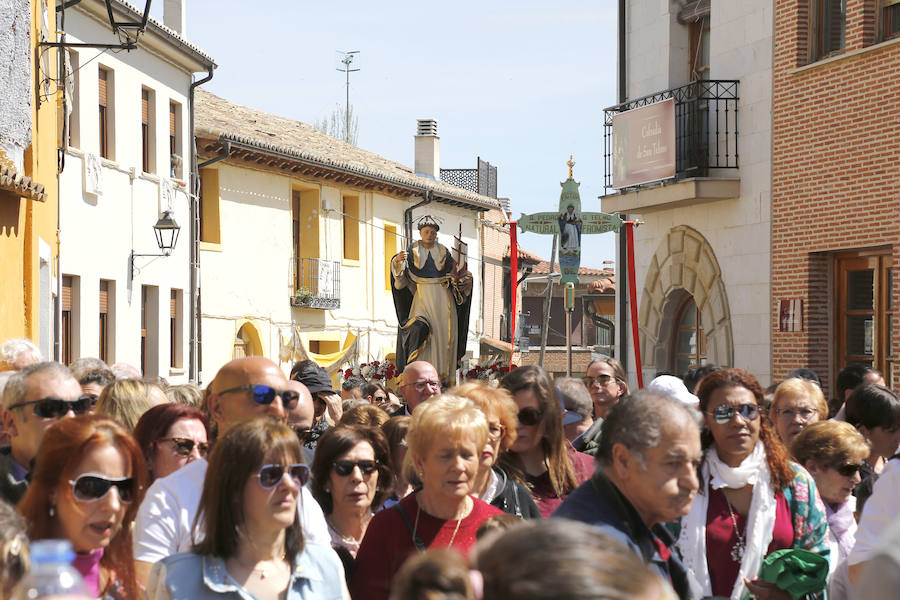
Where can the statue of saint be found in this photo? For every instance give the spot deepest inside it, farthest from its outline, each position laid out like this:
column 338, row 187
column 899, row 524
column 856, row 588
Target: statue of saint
column 432, row 297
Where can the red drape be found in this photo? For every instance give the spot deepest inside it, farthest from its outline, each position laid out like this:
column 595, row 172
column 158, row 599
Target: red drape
column 632, row 292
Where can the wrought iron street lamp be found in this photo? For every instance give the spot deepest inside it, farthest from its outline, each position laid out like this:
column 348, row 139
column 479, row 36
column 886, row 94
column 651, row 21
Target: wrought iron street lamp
column 166, row 231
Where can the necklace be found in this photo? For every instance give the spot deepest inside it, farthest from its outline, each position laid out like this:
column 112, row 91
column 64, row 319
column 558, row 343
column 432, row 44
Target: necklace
column 264, row 570
column 452, row 537
column 737, row 551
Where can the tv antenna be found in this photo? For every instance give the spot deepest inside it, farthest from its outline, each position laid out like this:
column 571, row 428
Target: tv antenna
column 348, row 63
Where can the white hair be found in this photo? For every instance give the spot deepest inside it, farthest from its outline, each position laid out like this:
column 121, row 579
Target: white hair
column 18, row 353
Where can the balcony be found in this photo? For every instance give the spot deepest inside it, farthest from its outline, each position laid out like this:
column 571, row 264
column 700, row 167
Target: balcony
column 706, row 149
column 316, row 283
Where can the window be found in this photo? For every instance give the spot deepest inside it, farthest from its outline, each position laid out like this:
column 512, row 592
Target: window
column 106, row 112
column 699, row 40
column 689, row 342
column 176, row 329
column 150, row 330
column 390, row 249
column 107, row 325
column 890, row 19
column 864, row 309
column 148, row 131
column 827, row 18
column 209, row 206
column 351, row 227
column 176, row 161
column 74, row 129
column 65, row 351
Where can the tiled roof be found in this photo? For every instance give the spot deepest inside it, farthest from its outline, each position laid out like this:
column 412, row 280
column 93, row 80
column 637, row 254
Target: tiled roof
column 523, row 254
column 223, row 120
column 543, row 267
column 11, row 181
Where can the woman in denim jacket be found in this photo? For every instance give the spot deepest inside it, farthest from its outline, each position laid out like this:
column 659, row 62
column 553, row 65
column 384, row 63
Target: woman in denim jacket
column 252, row 545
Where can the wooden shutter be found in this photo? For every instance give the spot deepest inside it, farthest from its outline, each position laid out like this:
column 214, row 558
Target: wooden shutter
column 104, row 296
column 103, row 91
column 145, row 107
column 171, row 118
column 67, row 292
column 173, row 304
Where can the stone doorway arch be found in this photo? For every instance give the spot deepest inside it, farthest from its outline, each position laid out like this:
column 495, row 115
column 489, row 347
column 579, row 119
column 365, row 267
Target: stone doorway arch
column 684, row 262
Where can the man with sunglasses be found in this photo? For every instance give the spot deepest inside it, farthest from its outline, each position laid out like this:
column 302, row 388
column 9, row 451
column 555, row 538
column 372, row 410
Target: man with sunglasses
column 419, row 382
column 34, row 399
column 243, row 389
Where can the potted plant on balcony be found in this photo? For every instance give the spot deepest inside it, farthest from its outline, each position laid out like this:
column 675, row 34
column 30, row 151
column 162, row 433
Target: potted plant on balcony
column 302, row 297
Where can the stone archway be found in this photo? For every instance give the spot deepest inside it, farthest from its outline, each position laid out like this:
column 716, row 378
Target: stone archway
column 247, row 341
column 684, row 262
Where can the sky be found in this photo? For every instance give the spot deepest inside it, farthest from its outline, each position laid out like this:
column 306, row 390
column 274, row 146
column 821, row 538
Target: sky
column 521, row 84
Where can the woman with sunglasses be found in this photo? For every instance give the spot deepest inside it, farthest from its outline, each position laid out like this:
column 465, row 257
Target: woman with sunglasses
column 171, row 436
column 88, row 480
column 492, row 484
column 833, row 453
column 541, row 454
column 445, row 441
column 797, row 404
column 752, row 501
column 350, row 478
column 252, row 544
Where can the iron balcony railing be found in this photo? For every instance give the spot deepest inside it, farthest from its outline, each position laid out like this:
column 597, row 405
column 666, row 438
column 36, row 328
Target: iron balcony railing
column 706, row 127
column 316, row 283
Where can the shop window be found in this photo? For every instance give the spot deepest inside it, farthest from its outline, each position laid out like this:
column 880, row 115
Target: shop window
column 390, row 249
column 689, row 342
column 890, row 19
column 864, row 309
column 148, row 130
column 827, row 27
column 351, row 227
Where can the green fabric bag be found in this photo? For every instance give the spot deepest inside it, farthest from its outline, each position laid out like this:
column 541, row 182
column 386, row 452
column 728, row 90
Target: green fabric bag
column 798, row 572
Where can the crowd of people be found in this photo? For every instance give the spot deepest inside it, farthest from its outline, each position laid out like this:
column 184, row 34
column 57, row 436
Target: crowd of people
column 263, row 485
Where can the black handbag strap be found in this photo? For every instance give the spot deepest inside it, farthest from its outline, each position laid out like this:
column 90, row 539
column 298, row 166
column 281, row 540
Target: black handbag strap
column 417, row 541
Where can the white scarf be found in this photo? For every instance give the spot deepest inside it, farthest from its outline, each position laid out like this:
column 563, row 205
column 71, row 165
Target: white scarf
column 760, row 520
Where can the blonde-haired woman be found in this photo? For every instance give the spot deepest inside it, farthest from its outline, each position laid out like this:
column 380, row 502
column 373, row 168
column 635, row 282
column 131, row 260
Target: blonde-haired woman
column 492, row 484
column 126, row 400
column 445, row 440
column 834, row 452
column 797, row 404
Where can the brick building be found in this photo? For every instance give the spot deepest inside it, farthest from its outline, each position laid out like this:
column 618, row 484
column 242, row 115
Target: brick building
column 835, row 193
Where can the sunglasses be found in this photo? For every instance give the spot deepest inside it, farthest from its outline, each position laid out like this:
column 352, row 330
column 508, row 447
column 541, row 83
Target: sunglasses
column 271, row 475
column 91, row 486
column 530, row 416
column 55, row 408
column 601, row 380
column 183, row 446
column 725, row 412
column 345, row 467
column 265, row 394
column 849, row 470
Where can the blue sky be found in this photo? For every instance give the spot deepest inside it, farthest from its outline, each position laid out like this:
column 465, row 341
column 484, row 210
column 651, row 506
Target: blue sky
column 521, row 84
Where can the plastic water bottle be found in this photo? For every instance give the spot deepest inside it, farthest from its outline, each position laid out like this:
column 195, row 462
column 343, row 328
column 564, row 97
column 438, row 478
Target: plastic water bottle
column 52, row 575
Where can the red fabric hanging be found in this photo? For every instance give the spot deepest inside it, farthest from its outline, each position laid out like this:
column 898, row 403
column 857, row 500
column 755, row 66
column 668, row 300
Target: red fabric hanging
column 632, row 292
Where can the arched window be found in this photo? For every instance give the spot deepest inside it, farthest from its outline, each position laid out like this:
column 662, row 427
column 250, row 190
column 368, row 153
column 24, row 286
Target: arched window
column 688, row 341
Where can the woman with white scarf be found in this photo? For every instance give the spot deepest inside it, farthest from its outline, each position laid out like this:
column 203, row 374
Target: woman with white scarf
column 752, row 501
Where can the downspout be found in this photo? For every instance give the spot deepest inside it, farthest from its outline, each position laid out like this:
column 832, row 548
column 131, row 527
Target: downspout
column 621, row 267
column 61, row 165
column 407, row 216
column 193, row 368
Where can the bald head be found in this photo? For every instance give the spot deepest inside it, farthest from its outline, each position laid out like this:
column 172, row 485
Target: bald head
column 301, row 417
column 420, row 382
column 230, row 405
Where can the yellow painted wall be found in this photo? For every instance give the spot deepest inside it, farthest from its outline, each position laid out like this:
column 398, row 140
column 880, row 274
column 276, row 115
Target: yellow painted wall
column 12, row 251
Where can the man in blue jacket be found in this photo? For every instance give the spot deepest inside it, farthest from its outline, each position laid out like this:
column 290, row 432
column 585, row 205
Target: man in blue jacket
column 648, row 456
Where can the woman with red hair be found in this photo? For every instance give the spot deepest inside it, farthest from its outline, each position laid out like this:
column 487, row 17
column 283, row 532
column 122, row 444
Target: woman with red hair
column 88, row 481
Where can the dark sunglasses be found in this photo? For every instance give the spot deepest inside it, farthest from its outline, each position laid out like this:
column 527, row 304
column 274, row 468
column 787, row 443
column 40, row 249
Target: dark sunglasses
column 848, row 470
column 601, row 379
column 184, row 446
column 345, row 467
column 55, row 408
column 90, row 486
column 725, row 412
column 265, row 394
column 530, row 416
column 271, row 475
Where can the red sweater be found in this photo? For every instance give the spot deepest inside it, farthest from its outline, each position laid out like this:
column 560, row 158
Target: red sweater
column 542, row 488
column 388, row 543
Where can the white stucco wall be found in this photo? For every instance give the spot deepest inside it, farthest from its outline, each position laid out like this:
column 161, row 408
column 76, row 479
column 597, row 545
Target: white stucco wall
column 15, row 81
column 99, row 232
column 738, row 230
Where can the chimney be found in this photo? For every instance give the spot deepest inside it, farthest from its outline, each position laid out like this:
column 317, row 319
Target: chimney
column 174, row 16
column 428, row 149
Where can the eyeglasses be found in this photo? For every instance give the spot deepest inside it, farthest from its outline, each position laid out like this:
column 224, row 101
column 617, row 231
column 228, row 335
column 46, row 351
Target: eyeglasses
column 530, row 416
column 725, row 412
column 271, row 475
column 421, row 385
column 265, row 394
column 345, row 467
column 184, row 446
column 496, row 430
column 91, row 486
column 804, row 413
column 55, row 408
column 600, row 380
column 849, row 470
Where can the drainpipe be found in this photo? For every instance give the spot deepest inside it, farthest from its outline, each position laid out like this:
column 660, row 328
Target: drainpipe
column 195, row 339
column 621, row 267
column 407, row 216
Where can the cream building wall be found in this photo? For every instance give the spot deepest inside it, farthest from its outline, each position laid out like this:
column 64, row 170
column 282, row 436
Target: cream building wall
column 99, row 231
column 716, row 250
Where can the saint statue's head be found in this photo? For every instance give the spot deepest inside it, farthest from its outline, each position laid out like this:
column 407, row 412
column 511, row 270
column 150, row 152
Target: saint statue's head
column 428, row 229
